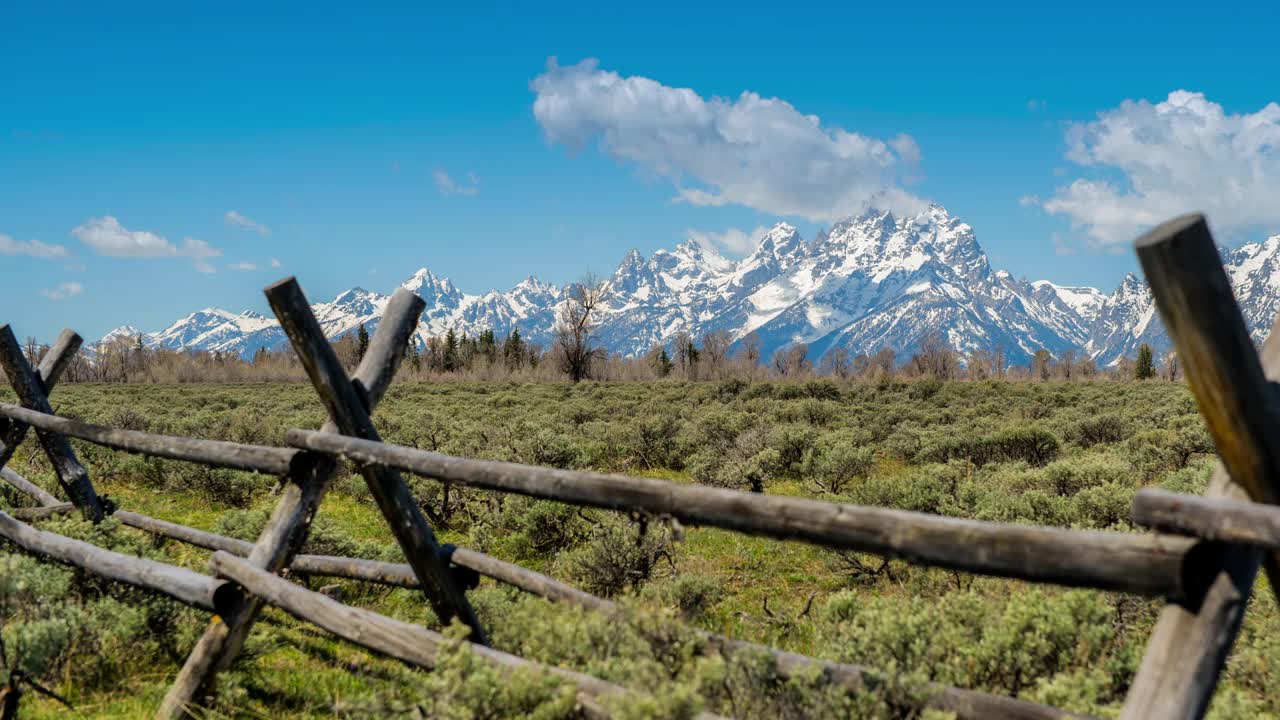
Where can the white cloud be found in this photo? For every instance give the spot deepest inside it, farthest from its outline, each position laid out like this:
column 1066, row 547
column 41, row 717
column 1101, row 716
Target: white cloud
column 108, row 237
column 1159, row 160
column 242, row 265
column 752, row 151
column 732, row 241
column 235, row 219
column 275, row 263
column 64, row 291
column 447, row 186
column 32, row 248
column 1029, row 201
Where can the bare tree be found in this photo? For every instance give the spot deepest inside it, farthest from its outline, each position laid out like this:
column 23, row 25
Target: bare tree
column 837, row 362
column 981, row 364
column 792, row 361
column 936, row 358
column 576, row 324
column 1041, row 364
column 884, row 360
column 751, row 353
column 715, row 351
column 1067, row 363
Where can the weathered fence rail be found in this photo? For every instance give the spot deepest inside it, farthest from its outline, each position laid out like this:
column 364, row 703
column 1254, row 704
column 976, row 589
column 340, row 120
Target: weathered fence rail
column 1204, row 567
column 214, row 453
column 1210, row 518
column 185, row 585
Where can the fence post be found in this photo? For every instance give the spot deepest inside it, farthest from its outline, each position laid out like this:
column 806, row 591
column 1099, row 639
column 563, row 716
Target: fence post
column 1191, row 641
column 32, row 393
column 54, row 362
column 348, row 404
column 286, row 530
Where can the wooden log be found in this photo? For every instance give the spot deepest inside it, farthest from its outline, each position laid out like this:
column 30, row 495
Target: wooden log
column 43, row 512
column 28, row 488
column 1218, row 519
column 191, row 588
column 1191, row 640
column 286, row 530
column 347, row 404
column 1146, row 565
column 409, row 643
column 60, row 354
column 215, row 453
column 71, row 474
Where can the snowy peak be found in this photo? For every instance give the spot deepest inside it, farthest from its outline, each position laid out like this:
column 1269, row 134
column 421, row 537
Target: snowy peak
column 874, row 280
column 431, row 288
column 1083, row 301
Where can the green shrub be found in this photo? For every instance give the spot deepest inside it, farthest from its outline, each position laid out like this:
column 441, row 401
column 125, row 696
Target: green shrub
column 620, row 555
column 1098, row 430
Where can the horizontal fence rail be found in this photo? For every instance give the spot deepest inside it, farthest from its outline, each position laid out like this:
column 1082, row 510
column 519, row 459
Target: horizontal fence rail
column 1220, row 519
column 42, row 496
column 1140, row 564
column 215, row 453
column 189, row 587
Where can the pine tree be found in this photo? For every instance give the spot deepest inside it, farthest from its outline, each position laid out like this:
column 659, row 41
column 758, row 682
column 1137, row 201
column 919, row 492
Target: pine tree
column 488, row 346
column 664, row 363
column 450, row 359
column 1145, row 367
column 362, row 342
column 513, row 350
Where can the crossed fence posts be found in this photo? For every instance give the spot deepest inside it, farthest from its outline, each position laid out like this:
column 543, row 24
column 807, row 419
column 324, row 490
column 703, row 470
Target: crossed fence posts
column 1207, row 578
column 349, row 402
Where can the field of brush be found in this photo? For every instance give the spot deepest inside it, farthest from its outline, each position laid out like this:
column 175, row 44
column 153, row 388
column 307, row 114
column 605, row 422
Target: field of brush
column 1068, row 455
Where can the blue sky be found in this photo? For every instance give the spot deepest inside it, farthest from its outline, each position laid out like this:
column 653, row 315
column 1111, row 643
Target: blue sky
column 326, row 131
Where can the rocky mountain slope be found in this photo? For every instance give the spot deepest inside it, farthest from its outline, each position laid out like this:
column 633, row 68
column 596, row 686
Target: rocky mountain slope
column 874, row 280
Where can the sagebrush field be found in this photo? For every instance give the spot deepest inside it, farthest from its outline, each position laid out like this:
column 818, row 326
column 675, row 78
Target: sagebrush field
column 1062, row 454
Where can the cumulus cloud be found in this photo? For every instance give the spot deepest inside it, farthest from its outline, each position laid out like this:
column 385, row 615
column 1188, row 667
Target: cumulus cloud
column 753, row 151
column 235, row 219
column 64, row 291
column 106, row 236
column 32, row 248
column 732, row 241
column 1159, row 160
column 448, row 186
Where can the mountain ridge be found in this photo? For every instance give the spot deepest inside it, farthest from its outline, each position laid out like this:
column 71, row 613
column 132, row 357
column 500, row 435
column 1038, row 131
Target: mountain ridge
column 872, row 280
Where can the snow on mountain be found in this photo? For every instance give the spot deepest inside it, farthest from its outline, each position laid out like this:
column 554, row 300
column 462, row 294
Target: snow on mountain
column 873, row 280
column 1084, row 302
column 878, row 280
column 1129, row 317
column 1126, row 320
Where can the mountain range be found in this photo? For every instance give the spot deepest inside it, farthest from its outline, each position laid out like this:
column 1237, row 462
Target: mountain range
column 873, row 280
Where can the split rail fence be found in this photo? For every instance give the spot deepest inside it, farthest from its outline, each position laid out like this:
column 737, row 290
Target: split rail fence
column 1203, row 562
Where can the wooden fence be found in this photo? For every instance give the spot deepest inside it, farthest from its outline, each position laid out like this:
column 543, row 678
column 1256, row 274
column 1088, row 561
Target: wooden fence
column 1203, row 566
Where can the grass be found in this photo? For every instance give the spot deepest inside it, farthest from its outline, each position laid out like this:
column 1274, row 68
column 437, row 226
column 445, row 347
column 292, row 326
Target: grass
column 915, row 623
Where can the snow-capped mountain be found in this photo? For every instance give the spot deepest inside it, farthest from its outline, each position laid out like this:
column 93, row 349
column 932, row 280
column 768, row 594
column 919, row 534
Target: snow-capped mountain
column 1128, row 317
column 872, row 281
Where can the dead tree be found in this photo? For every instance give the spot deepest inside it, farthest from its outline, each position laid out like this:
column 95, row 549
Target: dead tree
column 576, row 325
